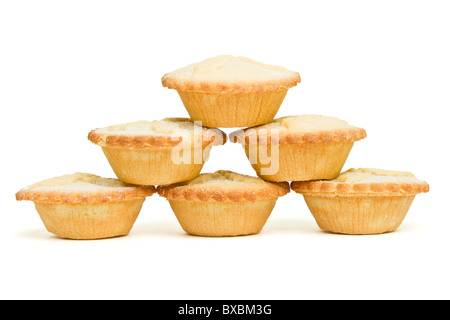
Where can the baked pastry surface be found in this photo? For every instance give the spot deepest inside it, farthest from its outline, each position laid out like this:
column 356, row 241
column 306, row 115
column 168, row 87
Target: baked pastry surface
column 367, row 181
column 158, row 133
column 300, row 129
column 224, row 185
column 83, row 188
column 226, row 73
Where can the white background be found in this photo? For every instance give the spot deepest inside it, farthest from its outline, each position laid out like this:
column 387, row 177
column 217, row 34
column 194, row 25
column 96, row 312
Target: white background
column 67, row 67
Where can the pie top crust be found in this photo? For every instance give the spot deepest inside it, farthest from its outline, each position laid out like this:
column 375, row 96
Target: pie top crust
column 83, row 188
column 364, row 181
column 226, row 73
column 300, row 129
column 222, row 186
column 168, row 132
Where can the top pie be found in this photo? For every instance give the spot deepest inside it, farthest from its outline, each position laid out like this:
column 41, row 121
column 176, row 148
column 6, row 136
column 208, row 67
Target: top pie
column 159, row 133
column 83, row 188
column 227, row 73
column 224, row 185
column 364, row 181
column 301, row 129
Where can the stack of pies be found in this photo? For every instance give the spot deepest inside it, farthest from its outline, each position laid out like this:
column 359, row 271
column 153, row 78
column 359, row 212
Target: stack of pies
column 167, row 156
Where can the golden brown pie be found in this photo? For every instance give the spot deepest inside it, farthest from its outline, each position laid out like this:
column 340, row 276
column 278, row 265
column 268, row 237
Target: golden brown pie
column 157, row 152
column 86, row 206
column 227, row 91
column 299, row 148
column 223, row 203
column 361, row 201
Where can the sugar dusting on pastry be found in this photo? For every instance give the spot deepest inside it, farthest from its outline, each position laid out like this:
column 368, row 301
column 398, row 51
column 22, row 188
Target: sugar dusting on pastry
column 306, row 123
column 370, row 175
column 173, row 128
column 225, row 177
column 230, row 68
column 77, row 182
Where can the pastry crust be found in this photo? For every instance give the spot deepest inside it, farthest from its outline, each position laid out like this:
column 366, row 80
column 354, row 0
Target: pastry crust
column 359, row 214
column 244, row 137
column 156, row 166
column 298, row 130
column 230, row 74
column 222, row 219
column 366, row 182
column 298, row 162
column 361, row 201
column 145, row 134
column 89, row 221
column 83, row 188
column 222, row 186
column 275, row 85
column 230, row 110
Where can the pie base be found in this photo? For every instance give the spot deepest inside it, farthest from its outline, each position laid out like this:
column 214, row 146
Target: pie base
column 222, row 219
column 89, row 221
column 154, row 166
column 232, row 109
column 359, row 214
column 299, row 162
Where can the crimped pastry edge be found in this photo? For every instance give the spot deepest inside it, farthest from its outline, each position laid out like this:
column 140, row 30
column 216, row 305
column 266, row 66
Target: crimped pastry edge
column 80, row 197
column 328, row 188
column 223, row 193
column 171, row 82
column 146, row 141
column 343, row 135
